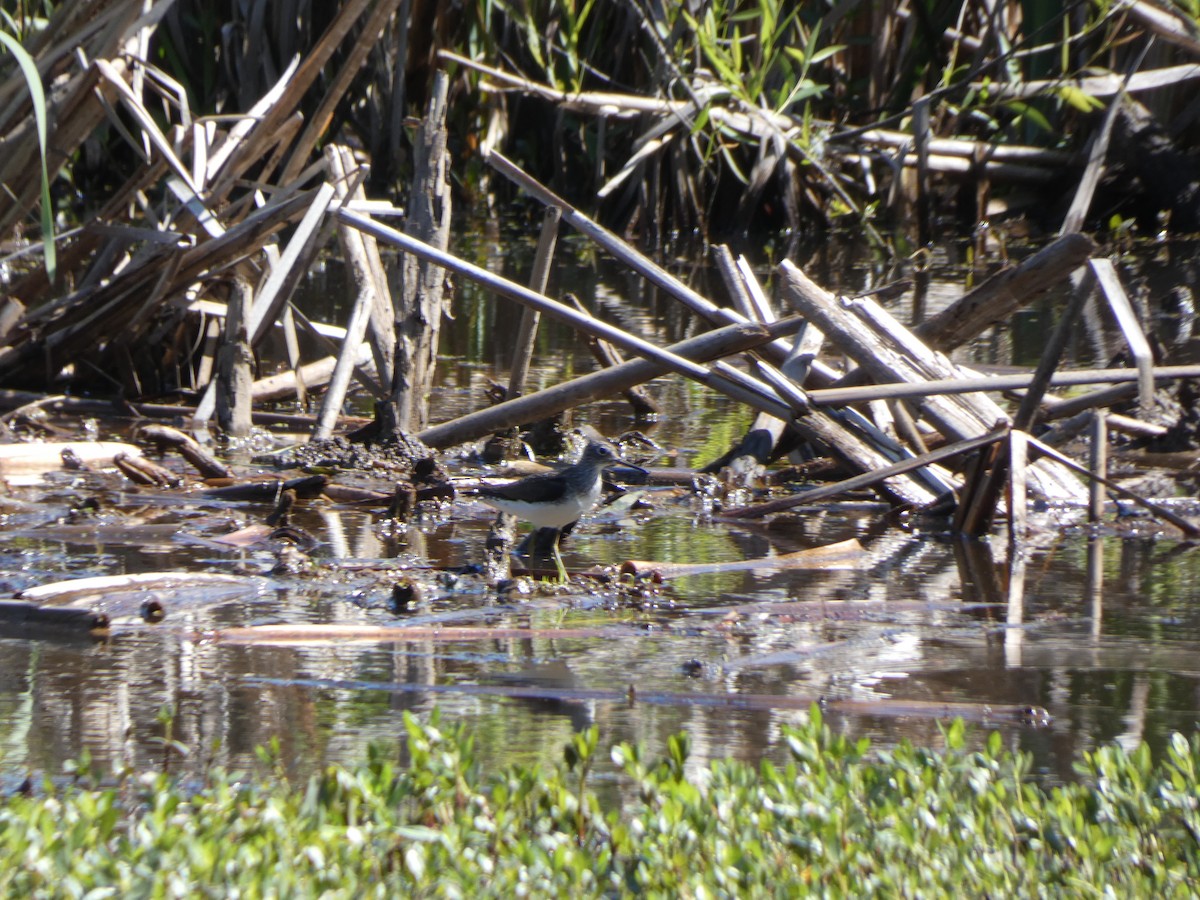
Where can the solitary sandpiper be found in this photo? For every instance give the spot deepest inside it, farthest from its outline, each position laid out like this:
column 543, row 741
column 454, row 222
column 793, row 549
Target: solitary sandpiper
column 556, row 499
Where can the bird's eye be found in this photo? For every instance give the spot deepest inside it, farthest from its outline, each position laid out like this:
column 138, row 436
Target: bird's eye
column 605, row 451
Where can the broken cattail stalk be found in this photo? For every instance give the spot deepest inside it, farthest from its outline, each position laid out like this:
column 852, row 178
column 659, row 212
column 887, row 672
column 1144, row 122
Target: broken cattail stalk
column 1191, row 529
column 978, row 517
column 609, row 356
column 206, row 464
column 1098, row 463
column 366, row 265
column 527, row 334
column 842, row 396
column 1131, row 328
column 996, row 298
column 622, row 251
column 867, row 479
column 1018, row 459
column 764, row 433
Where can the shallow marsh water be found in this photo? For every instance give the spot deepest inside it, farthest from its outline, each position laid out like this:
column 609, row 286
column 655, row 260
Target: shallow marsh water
column 1100, row 628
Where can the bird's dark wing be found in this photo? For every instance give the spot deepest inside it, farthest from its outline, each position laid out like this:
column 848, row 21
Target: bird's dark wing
column 548, row 488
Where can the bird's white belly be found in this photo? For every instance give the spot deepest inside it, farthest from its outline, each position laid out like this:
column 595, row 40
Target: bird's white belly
column 569, row 512
column 557, row 515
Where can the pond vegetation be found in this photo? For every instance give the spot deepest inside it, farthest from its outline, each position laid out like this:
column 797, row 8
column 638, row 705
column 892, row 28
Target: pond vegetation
column 838, row 818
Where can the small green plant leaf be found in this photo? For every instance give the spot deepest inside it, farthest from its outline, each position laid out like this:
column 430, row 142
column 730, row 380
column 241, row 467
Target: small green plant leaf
column 1081, row 100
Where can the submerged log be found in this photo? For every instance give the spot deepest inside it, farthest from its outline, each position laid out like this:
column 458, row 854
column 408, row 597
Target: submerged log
column 34, row 615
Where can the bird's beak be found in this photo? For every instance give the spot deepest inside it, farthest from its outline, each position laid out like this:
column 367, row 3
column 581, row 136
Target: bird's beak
column 620, row 463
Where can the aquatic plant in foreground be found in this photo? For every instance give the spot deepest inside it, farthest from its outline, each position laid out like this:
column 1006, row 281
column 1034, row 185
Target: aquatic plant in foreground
column 837, row 818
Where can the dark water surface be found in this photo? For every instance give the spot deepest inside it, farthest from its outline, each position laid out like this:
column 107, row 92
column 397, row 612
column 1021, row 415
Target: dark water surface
column 1100, row 628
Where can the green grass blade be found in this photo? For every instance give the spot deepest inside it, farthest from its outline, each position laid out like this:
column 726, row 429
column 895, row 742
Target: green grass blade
column 34, row 82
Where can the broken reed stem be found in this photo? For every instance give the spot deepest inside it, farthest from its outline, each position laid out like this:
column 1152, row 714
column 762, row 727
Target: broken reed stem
column 621, row 250
column 527, row 334
column 339, row 383
column 1018, row 461
column 1098, row 464
column 608, row 357
column 978, row 516
column 1135, row 339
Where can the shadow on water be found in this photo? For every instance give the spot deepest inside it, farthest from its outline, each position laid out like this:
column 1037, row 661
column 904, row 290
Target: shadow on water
column 1101, row 629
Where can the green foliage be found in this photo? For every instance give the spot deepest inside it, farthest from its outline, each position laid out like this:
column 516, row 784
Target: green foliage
column 774, row 70
column 837, row 818
column 556, row 36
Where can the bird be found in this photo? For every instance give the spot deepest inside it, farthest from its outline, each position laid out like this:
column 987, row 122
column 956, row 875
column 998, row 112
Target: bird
column 556, row 499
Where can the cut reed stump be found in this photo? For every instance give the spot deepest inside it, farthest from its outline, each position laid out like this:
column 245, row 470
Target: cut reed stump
column 419, row 316
column 235, row 361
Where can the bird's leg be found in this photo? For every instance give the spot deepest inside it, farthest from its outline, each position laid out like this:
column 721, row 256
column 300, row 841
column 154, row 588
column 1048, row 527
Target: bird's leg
column 563, row 577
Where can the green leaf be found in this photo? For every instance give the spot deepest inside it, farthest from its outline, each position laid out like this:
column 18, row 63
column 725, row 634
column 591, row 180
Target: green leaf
column 825, row 52
column 1078, row 98
column 34, row 82
column 1028, row 113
